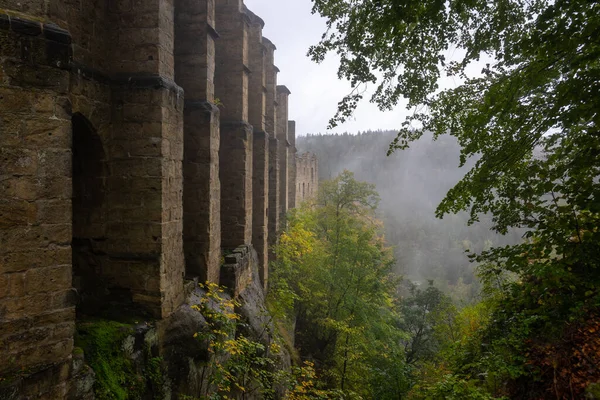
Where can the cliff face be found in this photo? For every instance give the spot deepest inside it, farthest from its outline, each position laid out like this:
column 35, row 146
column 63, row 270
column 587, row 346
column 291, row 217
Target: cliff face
column 176, row 357
column 139, row 142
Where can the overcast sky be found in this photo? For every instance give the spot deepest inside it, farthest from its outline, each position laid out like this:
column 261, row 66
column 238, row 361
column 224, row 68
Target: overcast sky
column 315, row 88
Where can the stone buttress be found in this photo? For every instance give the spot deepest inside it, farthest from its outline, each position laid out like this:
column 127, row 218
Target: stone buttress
column 292, row 164
column 195, row 37
column 257, row 54
column 283, row 149
column 231, row 89
column 271, row 128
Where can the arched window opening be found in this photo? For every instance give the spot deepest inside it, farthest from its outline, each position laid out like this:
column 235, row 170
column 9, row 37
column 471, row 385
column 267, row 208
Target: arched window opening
column 88, row 221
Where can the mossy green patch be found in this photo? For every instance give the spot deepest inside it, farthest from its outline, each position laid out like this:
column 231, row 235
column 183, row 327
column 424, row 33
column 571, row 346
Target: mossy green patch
column 77, row 350
column 155, row 376
column 102, row 343
column 593, row 391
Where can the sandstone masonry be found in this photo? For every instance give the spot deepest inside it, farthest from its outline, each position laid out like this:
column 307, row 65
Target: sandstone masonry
column 139, row 142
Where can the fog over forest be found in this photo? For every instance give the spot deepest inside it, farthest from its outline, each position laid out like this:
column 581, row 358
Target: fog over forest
column 411, row 183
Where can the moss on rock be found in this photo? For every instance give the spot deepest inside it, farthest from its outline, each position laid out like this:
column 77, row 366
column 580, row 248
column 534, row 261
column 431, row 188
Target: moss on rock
column 102, row 343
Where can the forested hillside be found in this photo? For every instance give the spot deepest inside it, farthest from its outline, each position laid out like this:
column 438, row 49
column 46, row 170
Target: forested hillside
column 411, row 184
column 515, row 85
column 520, row 322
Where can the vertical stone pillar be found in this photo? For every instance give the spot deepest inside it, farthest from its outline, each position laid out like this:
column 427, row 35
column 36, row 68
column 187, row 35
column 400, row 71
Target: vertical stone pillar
column 194, row 71
column 145, row 225
column 37, row 316
column 260, row 157
column 315, row 175
column 292, row 164
column 235, row 154
column 271, row 128
column 282, row 136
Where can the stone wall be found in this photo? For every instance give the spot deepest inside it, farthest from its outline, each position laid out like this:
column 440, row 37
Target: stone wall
column 36, row 310
column 307, row 177
column 137, row 140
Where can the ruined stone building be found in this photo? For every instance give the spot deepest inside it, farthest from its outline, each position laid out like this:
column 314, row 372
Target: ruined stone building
column 140, row 140
column 307, row 177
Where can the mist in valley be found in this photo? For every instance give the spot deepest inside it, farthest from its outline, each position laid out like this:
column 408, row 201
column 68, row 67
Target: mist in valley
column 411, row 184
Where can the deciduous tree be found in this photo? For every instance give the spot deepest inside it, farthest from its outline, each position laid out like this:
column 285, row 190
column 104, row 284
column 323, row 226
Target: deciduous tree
column 530, row 119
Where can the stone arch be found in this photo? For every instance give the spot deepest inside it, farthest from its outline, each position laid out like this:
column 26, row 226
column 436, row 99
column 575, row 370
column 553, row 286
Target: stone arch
column 89, row 171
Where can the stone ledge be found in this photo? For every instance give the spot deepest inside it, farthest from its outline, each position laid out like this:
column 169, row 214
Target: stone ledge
column 213, row 32
column 236, row 273
column 237, row 124
column 127, row 81
column 146, row 81
column 39, row 45
column 203, row 105
column 283, row 89
column 90, row 73
column 31, row 27
column 254, row 19
column 266, row 42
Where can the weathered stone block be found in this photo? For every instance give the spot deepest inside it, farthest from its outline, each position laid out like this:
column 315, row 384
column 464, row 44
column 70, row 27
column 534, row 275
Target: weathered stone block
column 13, row 260
column 13, row 101
column 16, row 286
column 16, row 212
column 4, row 284
column 53, row 211
column 18, row 161
column 46, row 78
column 46, row 132
column 50, row 279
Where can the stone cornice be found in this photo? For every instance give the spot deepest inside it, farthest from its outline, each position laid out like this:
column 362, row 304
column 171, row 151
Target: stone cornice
column 131, row 81
column 146, row 81
column 237, row 124
column 22, row 25
column 283, row 89
column 203, row 105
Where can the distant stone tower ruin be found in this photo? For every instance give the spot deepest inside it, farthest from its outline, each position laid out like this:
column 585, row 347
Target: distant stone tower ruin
column 139, row 141
column 307, row 177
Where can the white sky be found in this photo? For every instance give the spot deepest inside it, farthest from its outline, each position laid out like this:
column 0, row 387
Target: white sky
column 315, row 88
